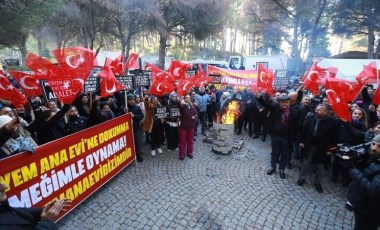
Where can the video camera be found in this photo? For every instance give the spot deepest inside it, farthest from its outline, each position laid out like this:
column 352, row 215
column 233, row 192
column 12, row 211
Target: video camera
column 356, row 152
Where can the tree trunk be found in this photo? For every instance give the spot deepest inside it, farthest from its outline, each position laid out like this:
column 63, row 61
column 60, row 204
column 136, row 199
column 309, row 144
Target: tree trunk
column 39, row 45
column 371, row 42
column 162, row 51
column 377, row 53
column 224, row 42
column 83, row 36
column 22, row 47
column 320, row 7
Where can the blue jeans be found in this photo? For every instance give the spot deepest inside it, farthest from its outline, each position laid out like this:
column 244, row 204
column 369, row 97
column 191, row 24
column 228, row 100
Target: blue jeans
column 280, row 151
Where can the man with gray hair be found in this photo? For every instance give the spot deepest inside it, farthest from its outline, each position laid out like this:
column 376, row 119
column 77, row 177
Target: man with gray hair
column 319, row 132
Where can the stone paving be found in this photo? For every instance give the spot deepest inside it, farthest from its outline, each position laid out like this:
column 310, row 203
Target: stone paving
column 211, row 192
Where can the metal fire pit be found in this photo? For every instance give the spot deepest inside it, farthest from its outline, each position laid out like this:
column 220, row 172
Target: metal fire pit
column 223, row 138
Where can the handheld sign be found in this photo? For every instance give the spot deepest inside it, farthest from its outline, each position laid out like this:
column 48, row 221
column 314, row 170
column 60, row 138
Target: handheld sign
column 161, row 112
column 91, row 85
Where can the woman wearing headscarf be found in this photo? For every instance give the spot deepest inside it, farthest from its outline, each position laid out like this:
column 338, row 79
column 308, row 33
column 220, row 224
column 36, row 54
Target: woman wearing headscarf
column 13, row 137
column 172, row 123
column 186, row 129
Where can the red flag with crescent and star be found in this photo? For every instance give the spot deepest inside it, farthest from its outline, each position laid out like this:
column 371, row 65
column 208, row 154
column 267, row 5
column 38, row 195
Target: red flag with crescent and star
column 178, row 69
column 29, row 83
column 370, row 74
column 163, row 76
column 42, row 67
column 132, row 61
column 265, row 79
column 160, row 88
column 336, row 91
column 310, row 79
column 11, row 93
column 117, row 65
column 108, row 84
column 325, row 73
column 150, row 67
column 184, row 87
column 76, row 61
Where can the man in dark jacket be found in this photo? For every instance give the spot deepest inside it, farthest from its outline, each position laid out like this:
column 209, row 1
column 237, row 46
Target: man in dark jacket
column 28, row 218
column 319, row 132
column 279, row 127
column 364, row 190
column 137, row 117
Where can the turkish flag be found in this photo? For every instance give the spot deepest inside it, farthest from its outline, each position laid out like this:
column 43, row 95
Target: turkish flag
column 42, row 67
column 184, row 87
column 108, row 84
column 178, row 69
column 376, row 97
column 76, row 61
column 310, row 79
column 132, row 61
column 117, row 65
column 325, row 73
column 9, row 92
column 370, row 74
column 29, row 83
column 203, row 80
column 265, row 79
column 160, row 75
column 160, row 88
column 336, row 91
column 150, row 67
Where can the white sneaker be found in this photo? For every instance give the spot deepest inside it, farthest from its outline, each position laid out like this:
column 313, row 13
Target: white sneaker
column 153, row 152
column 159, row 150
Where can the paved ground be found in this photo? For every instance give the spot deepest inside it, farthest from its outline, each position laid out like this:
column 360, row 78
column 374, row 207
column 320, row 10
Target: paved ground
column 211, row 192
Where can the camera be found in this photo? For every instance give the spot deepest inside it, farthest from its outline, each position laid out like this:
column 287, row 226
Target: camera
column 356, row 152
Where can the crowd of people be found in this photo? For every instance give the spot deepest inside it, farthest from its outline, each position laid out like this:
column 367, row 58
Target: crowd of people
column 301, row 127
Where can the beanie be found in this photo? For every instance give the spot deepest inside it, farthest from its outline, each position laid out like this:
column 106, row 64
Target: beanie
column 376, row 138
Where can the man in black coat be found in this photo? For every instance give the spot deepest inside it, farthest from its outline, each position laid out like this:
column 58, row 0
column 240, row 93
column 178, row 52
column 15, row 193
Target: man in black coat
column 279, row 129
column 28, row 218
column 319, row 133
column 137, row 117
column 364, row 190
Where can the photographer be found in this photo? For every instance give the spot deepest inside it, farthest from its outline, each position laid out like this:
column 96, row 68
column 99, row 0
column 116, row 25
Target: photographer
column 364, row 190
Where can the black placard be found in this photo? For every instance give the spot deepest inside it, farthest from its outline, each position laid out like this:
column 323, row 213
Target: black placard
column 126, row 81
column 175, row 112
column 91, row 84
column 161, row 112
column 142, row 80
column 281, row 80
column 217, row 79
column 47, row 91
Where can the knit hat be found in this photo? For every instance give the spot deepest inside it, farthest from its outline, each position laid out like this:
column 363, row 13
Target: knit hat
column 376, row 138
column 130, row 96
column 4, row 119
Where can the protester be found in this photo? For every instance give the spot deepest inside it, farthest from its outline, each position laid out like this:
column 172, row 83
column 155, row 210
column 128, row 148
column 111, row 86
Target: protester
column 83, row 105
column 101, row 111
column 202, row 99
column 152, row 125
column 364, row 190
column 319, row 133
column 75, row 122
column 279, row 125
column 186, row 129
column 29, row 218
column 171, row 124
column 137, row 117
column 13, row 137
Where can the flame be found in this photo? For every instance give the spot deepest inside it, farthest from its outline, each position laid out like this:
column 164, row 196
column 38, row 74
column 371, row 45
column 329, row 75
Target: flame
column 231, row 114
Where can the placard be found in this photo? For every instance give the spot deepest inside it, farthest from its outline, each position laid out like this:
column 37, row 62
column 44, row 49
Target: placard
column 48, row 93
column 72, row 167
column 142, row 80
column 126, row 81
column 161, row 112
column 175, row 112
column 91, row 84
column 281, row 80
